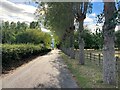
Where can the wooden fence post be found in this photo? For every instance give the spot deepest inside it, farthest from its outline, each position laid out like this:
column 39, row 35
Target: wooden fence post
column 117, row 72
column 99, row 59
column 90, row 56
column 117, row 63
column 94, row 57
column 87, row 55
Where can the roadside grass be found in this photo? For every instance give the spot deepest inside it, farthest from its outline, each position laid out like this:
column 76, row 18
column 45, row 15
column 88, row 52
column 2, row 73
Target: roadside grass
column 86, row 76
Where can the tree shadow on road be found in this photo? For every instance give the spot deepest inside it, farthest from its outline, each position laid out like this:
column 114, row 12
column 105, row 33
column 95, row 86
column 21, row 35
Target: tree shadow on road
column 62, row 80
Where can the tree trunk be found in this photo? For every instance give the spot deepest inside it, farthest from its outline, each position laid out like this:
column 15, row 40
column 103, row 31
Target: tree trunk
column 81, row 44
column 68, row 45
column 72, row 53
column 69, row 53
column 109, row 62
column 109, row 59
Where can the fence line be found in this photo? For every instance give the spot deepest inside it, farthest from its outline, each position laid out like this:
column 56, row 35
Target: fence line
column 98, row 59
column 95, row 58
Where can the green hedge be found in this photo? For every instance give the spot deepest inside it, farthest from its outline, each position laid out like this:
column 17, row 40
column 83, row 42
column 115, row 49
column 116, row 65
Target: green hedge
column 12, row 54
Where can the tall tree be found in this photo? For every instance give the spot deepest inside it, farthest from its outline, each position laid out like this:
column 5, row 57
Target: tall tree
column 18, row 27
column 34, row 25
column 108, row 48
column 12, row 26
column 6, row 25
column 59, row 18
column 7, row 34
column 24, row 26
column 80, row 10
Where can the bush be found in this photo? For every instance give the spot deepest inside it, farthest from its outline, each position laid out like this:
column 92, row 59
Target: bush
column 12, row 54
column 34, row 36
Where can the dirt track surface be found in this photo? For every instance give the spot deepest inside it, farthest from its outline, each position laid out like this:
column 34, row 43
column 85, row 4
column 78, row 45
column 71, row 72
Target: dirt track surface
column 46, row 71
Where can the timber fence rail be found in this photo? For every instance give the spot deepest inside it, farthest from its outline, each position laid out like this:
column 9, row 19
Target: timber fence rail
column 95, row 59
column 98, row 59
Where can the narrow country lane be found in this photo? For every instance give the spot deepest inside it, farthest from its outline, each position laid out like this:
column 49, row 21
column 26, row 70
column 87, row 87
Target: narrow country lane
column 46, row 71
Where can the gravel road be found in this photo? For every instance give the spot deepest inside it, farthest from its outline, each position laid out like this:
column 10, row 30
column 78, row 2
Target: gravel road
column 48, row 71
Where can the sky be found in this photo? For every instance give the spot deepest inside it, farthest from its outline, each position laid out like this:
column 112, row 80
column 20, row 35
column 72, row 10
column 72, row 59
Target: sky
column 17, row 10
column 23, row 10
column 91, row 19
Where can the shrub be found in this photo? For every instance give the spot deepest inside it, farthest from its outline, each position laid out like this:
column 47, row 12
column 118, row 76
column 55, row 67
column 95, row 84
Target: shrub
column 34, row 36
column 12, row 54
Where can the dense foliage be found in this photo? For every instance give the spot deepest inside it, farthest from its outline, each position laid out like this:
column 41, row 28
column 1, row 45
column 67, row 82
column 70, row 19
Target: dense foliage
column 34, row 36
column 21, row 41
column 14, row 53
column 57, row 16
column 95, row 40
column 14, row 33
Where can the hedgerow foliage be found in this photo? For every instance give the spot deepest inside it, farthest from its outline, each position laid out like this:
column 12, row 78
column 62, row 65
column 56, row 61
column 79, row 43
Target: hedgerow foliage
column 15, row 53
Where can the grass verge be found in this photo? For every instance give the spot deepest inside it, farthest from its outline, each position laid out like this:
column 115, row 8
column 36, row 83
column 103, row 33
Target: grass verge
column 88, row 75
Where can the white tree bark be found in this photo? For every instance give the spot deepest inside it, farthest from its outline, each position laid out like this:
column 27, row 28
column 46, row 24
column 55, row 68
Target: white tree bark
column 72, row 52
column 109, row 69
column 81, row 44
column 81, row 9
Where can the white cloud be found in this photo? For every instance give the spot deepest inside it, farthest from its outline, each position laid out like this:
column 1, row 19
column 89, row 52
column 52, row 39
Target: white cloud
column 10, row 11
column 88, row 20
column 117, row 28
column 27, row 8
column 93, row 15
column 93, row 27
column 45, row 30
column 20, row 1
column 97, row 1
